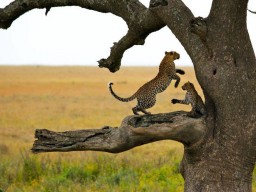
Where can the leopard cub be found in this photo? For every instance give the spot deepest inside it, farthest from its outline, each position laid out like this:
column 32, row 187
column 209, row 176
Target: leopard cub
column 192, row 97
column 146, row 94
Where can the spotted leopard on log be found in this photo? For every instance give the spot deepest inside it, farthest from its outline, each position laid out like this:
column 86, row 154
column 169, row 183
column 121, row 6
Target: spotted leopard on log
column 146, row 94
column 192, row 97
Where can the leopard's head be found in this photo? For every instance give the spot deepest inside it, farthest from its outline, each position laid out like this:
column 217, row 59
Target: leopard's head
column 172, row 55
column 188, row 86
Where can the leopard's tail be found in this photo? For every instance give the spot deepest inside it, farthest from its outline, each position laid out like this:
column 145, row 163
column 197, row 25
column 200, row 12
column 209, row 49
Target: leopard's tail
column 180, row 71
column 120, row 98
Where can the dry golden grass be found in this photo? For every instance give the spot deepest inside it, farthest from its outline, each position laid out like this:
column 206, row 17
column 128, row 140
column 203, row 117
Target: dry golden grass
column 69, row 98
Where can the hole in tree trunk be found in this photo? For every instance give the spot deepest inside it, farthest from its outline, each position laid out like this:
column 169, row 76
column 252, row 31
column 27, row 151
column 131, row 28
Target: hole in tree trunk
column 214, row 71
column 235, row 62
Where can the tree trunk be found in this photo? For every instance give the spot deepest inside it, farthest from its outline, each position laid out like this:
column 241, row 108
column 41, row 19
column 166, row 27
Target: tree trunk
column 225, row 67
column 225, row 159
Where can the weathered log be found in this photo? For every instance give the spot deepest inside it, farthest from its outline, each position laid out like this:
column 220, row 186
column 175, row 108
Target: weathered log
column 134, row 131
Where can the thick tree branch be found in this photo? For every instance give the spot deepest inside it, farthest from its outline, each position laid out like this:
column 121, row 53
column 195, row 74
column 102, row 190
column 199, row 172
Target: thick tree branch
column 177, row 16
column 143, row 23
column 228, row 13
column 134, row 131
column 113, row 62
column 140, row 21
column 18, row 7
column 133, row 37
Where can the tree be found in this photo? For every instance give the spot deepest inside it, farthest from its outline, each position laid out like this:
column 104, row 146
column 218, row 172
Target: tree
column 220, row 147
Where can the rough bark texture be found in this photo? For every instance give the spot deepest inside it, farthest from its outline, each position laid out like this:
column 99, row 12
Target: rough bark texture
column 134, row 131
column 226, row 158
column 225, row 68
column 220, row 150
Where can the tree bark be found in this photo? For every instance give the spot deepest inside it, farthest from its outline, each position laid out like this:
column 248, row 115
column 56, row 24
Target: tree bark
column 220, row 148
column 224, row 161
column 134, row 131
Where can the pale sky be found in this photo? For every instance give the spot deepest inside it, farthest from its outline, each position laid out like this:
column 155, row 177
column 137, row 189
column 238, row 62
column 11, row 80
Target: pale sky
column 76, row 36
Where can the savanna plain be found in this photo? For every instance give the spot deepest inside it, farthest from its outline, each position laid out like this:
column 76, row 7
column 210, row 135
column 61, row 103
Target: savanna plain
column 72, row 98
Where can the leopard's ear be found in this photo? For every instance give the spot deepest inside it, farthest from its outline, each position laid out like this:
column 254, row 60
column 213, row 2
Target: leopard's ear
column 166, row 52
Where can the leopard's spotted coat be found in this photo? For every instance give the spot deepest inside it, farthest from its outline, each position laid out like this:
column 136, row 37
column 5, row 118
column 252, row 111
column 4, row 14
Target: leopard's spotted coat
column 192, row 97
column 146, row 95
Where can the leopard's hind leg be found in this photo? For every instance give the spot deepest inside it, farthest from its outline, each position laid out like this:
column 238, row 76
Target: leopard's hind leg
column 143, row 104
column 136, row 109
column 145, row 112
column 177, row 78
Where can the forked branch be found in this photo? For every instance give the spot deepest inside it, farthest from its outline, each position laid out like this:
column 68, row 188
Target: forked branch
column 140, row 21
column 18, row 7
column 134, row 131
column 177, row 16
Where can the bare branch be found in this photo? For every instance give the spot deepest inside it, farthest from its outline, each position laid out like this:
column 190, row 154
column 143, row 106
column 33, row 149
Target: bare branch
column 133, row 37
column 18, row 7
column 177, row 16
column 134, row 131
column 143, row 23
column 113, row 62
column 140, row 20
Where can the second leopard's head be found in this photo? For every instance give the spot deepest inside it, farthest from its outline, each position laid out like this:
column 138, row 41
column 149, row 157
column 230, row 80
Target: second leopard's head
column 172, row 55
column 188, row 86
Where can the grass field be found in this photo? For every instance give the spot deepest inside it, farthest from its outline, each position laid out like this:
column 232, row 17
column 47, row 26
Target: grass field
column 70, row 98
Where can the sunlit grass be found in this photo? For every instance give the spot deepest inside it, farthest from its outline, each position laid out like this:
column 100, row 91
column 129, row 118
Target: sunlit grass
column 70, row 98
column 62, row 98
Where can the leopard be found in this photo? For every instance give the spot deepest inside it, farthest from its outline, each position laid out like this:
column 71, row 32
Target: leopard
column 192, row 97
column 146, row 94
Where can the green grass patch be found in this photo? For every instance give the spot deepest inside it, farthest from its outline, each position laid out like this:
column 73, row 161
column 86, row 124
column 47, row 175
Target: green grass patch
column 101, row 173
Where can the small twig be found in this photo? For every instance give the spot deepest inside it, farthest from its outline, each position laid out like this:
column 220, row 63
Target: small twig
column 254, row 12
column 47, row 10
